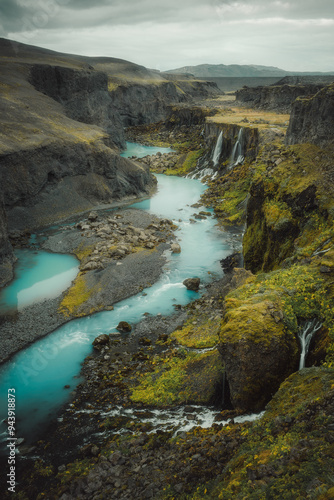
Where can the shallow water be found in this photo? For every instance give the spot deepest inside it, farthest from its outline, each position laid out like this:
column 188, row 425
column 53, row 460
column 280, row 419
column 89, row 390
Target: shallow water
column 40, row 372
column 38, row 275
column 138, row 150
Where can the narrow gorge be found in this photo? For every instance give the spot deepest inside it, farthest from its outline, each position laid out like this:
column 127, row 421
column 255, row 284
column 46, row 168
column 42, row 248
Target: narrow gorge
column 191, row 356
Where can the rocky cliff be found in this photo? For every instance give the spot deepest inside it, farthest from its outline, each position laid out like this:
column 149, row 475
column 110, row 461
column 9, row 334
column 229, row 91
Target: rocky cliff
column 6, row 250
column 84, row 95
column 277, row 97
column 142, row 102
column 312, row 119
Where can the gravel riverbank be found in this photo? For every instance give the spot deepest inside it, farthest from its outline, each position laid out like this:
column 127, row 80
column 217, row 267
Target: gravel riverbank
column 116, row 276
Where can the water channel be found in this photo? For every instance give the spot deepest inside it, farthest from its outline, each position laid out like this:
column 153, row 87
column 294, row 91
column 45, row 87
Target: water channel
column 40, row 372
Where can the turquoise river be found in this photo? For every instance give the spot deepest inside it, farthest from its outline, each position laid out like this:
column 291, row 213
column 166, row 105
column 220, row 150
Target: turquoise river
column 40, row 372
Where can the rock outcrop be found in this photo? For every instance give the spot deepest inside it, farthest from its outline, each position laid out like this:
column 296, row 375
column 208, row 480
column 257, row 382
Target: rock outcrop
column 84, row 95
column 141, row 103
column 257, row 351
column 54, row 181
column 6, row 250
column 278, row 97
column 312, row 119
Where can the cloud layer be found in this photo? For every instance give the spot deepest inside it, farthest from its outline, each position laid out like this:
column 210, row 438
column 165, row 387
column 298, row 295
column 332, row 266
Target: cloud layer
column 294, row 35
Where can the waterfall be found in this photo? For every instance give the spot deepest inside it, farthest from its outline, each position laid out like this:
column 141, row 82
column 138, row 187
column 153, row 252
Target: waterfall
column 237, row 152
column 305, row 335
column 218, row 149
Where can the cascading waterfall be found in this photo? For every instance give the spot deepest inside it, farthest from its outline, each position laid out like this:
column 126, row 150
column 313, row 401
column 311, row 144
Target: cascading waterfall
column 305, row 335
column 199, row 173
column 237, row 156
column 218, row 149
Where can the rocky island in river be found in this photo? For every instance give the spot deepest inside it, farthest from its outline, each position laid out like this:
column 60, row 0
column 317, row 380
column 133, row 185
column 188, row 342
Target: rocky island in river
column 232, row 395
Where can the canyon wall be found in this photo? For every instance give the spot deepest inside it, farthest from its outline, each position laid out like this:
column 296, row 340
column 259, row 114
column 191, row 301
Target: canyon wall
column 143, row 103
column 274, row 97
column 84, row 95
column 312, row 119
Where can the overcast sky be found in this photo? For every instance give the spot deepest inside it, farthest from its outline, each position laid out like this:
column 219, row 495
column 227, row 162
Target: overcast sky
column 295, row 35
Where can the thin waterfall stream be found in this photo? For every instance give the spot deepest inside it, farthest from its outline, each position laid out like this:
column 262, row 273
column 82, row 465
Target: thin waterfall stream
column 305, row 334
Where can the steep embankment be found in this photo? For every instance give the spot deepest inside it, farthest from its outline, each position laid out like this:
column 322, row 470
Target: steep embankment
column 53, row 166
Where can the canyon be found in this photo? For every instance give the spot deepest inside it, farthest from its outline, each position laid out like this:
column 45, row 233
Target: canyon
column 239, row 344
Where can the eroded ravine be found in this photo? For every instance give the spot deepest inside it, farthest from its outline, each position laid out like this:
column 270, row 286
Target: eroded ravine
column 40, row 372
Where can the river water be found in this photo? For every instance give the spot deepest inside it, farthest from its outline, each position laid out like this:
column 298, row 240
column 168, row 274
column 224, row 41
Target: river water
column 40, row 372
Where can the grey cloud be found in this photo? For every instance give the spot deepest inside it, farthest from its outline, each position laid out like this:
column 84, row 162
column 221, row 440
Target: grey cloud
column 19, row 15
column 176, row 33
column 297, row 9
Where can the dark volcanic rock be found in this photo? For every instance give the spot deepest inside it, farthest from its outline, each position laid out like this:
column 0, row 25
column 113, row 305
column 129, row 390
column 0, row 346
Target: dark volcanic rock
column 124, row 327
column 6, row 250
column 258, row 353
column 283, row 93
column 276, row 97
column 84, row 94
column 64, row 178
column 140, row 103
column 192, row 284
column 312, row 119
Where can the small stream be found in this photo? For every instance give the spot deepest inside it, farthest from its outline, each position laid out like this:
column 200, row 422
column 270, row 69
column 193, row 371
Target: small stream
column 40, row 372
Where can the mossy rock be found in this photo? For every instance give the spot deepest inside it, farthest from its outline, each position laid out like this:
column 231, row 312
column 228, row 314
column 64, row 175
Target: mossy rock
column 191, row 377
column 258, row 351
column 289, row 452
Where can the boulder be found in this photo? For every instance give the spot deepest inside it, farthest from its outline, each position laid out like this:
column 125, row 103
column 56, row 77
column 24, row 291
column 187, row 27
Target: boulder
column 92, row 216
column 175, row 248
column 257, row 350
column 124, row 327
column 101, row 340
column 192, row 284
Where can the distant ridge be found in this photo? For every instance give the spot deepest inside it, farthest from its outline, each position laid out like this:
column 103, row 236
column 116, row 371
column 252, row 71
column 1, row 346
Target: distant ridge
column 236, row 70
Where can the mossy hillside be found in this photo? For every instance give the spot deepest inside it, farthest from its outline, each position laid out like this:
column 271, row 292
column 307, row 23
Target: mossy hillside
column 289, row 453
column 229, row 193
column 290, row 208
column 303, row 292
column 186, row 163
column 178, row 379
column 187, row 372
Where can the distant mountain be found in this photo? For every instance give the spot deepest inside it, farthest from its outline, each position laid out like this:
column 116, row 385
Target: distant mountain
column 236, row 70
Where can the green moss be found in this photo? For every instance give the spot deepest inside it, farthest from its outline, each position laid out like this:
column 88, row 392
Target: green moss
column 300, row 290
column 228, row 195
column 76, row 297
column 277, row 214
column 198, row 336
column 287, row 454
column 188, row 164
column 178, row 379
column 252, row 319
